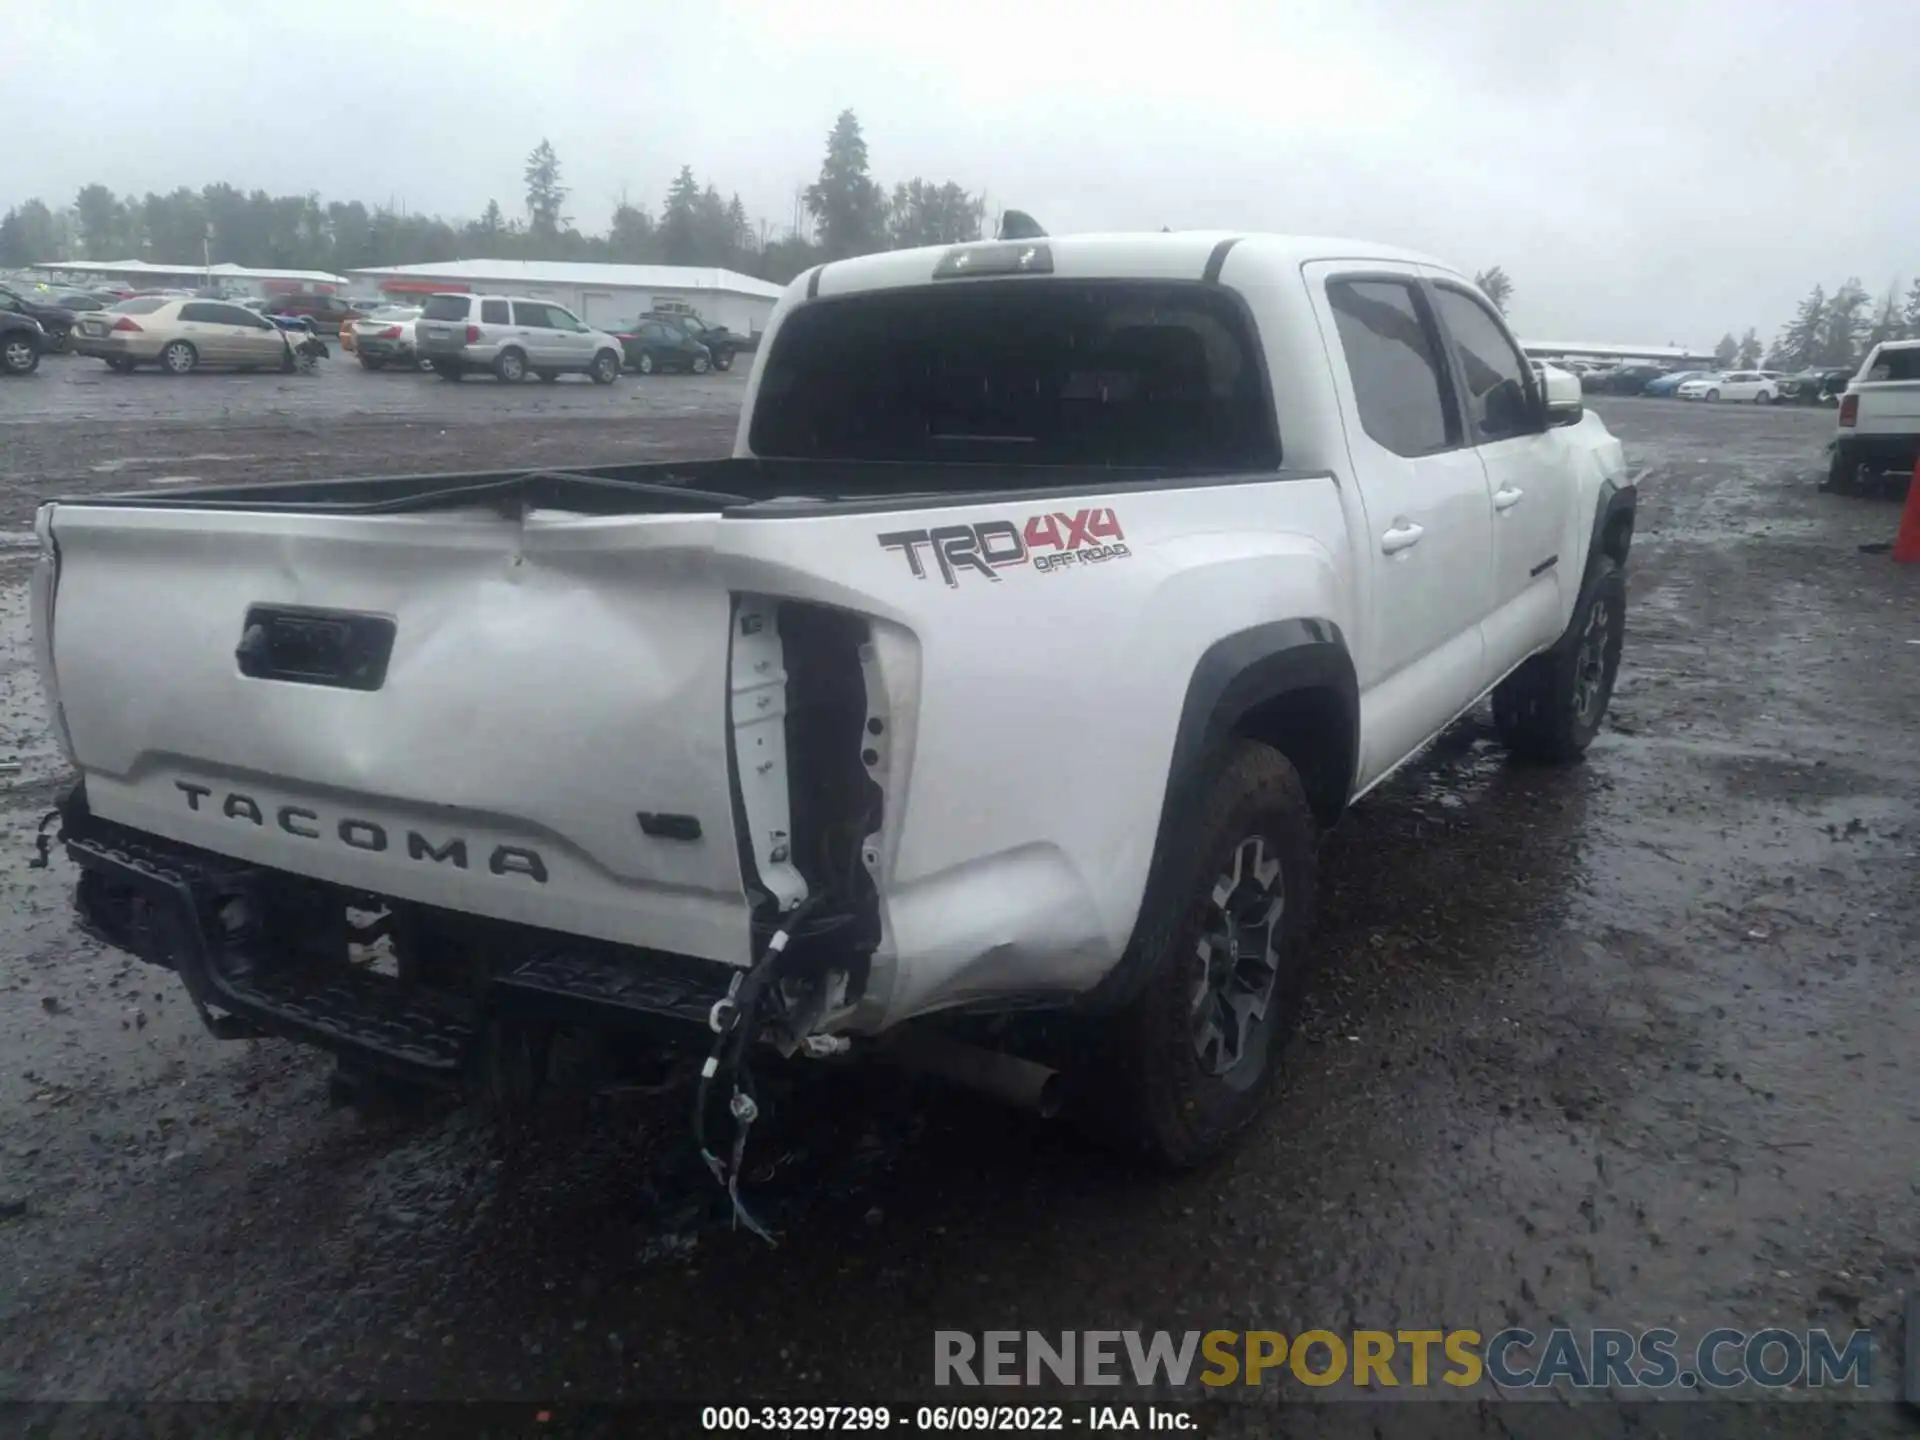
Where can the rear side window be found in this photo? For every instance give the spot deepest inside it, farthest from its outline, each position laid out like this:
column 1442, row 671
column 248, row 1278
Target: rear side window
column 1393, row 359
column 445, row 307
column 494, row 312
column 202, row 314
column 144, row 306
column 1027, row 370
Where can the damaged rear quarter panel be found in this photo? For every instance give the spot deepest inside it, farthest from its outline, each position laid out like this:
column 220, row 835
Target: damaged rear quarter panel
column 1032, row 713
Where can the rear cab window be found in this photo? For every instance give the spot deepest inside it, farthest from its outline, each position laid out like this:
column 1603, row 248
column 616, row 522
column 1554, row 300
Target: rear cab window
column 1894, row 365
column 444, row 307
column 1052, row 372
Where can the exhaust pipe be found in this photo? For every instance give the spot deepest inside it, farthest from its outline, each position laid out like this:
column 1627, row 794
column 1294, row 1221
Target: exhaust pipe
column 1023, row 1084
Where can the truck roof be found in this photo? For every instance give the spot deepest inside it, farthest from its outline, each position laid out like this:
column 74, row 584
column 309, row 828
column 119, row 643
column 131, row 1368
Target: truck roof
column 1176, row 255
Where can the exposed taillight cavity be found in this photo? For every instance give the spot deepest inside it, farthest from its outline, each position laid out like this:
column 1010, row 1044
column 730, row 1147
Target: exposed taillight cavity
column 473, row 334
column 1849, row 409
column 127, row 322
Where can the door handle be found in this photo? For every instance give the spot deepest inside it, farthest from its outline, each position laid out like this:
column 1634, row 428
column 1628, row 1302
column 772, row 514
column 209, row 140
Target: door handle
column 1507, row 496
column 1404, row 535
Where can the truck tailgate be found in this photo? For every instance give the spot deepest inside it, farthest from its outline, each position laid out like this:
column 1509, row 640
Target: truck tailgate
column 550, row 679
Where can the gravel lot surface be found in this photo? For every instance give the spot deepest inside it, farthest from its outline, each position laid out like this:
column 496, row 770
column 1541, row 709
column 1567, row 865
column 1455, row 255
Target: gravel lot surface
column 1631, row 1043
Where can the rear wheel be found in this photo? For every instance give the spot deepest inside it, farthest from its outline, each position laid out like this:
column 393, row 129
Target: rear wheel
column 511, row 367
column 179, row 358
column 19, row 354
column 120, row 363
column 1186, row 1066
column 723, row 361
column 373, row 362
column 605, row 368
column 645, row 363
column 449, row 370
column 1551, row 707
column 701, row 365
column 1713, row 394
column 1763, row 398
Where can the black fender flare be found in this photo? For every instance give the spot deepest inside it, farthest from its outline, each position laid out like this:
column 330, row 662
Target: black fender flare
column 1614, row 513
column 1240, row 681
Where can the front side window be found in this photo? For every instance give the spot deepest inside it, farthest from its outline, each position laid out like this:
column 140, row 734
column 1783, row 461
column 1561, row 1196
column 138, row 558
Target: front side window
column 562, row 319
column 1495, row 372
column 1400, row 385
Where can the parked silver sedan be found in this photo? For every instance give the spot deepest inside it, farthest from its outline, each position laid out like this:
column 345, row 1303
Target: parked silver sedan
column 182, row 335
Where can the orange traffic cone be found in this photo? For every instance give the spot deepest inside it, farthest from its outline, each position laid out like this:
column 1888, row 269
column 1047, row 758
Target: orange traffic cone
column 1906, row 545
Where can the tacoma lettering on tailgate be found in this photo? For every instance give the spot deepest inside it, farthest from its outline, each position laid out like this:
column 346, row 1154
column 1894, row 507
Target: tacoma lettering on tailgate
column 1048, row 542
column 358, row 834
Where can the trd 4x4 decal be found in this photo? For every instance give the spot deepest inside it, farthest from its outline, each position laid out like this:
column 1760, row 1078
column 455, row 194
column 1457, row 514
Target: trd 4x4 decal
column 1056, row 541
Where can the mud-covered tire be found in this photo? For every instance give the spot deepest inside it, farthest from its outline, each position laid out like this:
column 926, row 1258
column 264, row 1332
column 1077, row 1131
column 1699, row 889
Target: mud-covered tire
column 1149, row 1085
column 1550, row 709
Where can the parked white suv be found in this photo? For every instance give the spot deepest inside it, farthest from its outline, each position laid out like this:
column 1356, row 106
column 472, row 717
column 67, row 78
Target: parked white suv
column 461, row 335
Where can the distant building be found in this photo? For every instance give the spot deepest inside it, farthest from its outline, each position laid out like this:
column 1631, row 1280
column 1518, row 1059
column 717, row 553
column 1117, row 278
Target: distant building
column 1675, row 355
column 234, row 279
column 598, row 294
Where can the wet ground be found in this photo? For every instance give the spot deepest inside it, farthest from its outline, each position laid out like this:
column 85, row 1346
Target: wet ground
column 1631, row 1043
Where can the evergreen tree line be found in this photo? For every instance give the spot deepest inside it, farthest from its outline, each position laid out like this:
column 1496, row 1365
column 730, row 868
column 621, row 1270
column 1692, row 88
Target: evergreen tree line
column 844, row 212
column 1829, row 331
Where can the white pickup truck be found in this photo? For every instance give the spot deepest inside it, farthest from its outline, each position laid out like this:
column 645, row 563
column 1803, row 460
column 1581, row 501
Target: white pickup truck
column 1057, row 595
column 1877, row 431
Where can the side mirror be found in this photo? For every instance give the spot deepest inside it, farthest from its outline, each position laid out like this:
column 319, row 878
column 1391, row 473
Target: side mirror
column 1561, row 388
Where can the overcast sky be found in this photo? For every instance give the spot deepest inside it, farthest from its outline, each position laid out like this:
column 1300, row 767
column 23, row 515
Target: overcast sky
column 1644, row 171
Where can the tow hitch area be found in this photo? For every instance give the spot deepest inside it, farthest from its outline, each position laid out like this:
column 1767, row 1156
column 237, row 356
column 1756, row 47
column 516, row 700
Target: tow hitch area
column 265, row 953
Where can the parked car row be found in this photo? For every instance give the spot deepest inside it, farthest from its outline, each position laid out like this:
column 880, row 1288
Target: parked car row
column 1817, row 386
column 510, row 337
